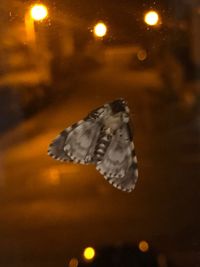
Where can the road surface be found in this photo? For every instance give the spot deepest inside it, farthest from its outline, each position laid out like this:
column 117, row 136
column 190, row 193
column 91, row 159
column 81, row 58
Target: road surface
column 50, row 210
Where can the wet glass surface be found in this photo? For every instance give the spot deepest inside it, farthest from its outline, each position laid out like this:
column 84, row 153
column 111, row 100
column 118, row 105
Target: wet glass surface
column 53, row 72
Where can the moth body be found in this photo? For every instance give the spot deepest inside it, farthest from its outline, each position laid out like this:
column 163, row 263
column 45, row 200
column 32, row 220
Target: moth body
column 103, row 138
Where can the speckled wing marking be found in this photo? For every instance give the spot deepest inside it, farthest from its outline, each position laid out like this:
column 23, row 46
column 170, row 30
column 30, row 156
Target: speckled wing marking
column 77, row 142
column 81, row 141
column 56, row 148
column 119, row 164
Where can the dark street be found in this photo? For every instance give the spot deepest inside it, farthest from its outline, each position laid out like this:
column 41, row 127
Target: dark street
column 51, row 210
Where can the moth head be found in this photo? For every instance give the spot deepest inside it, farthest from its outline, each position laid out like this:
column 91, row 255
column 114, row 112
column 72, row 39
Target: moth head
column 118, row 105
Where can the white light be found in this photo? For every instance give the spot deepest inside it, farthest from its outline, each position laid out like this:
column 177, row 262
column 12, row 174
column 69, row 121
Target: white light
column 151, row 18
column 39, row 12
column 100, row 29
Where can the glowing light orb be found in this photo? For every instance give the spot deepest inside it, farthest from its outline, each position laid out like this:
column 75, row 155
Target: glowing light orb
column 151, row 18
column 89, row 253
column 39, row 12
column 142, row 54
column 100, row 29
column 143, row 246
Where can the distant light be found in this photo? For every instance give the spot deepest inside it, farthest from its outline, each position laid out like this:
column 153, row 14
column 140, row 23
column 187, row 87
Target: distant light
column 39, row 12
column 142, row 54
column 100, row 29
column 143, row 246
column 151, row 18
column 73, row 262
column 89, row 253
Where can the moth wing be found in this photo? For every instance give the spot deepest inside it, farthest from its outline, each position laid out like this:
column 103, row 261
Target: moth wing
column 56, row 148
column 81, row 141
column 77, row 142
column 119, row 164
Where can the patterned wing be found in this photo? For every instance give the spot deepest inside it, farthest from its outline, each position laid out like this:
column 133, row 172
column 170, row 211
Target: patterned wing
column 56, row 148
column 81, row 141
column 119, row 164
column 77, row 142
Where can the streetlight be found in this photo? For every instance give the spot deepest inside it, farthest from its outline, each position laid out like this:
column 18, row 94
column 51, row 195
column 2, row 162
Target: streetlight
column 38, row 12
column 89, row 253
column 151, row 18
column 100, row 30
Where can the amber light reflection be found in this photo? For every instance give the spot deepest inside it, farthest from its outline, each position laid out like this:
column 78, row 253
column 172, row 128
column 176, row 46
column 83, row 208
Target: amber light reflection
column 73, row 262
column 143, row 246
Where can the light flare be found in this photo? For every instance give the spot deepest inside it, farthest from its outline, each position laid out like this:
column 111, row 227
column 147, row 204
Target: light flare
column 151, row 18
column 143, row 246
column 100, row 29
column 39, row 12
column 89, row 253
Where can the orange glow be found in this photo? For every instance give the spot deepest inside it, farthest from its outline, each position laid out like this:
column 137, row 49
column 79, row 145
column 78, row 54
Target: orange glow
column 142, row 54
column 89, row 253
column 143, row 246
column 54, row 176
column 73, row 262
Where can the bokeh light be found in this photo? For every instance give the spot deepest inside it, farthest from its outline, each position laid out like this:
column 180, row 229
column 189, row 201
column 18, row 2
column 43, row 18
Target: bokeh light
column 143, row 246
column 89, row 253
column 73, row 263
column 39, row 12
column 151, row 18
column 142, row 54
column 100, row 29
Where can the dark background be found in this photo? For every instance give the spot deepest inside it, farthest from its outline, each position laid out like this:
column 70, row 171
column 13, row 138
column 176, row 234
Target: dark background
column 50, row 211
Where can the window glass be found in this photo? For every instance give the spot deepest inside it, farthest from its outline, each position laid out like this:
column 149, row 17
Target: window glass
column 59, row 62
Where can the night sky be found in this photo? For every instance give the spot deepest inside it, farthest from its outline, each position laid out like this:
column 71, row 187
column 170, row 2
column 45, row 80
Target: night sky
column 124, row 18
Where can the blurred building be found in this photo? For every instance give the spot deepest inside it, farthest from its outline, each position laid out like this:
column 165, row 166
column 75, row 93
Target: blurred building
column 187, row 24
column 30, row 59
column 34, row 55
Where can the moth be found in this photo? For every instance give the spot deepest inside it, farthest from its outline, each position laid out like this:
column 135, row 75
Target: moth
column 103, row 138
